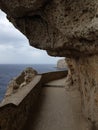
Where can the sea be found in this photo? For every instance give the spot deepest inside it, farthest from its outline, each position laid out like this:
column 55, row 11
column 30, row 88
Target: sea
column 9, row 71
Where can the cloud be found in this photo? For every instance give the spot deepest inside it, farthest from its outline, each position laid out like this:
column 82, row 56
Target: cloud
column 15, row 49
column 24, row 55
column 8, row 33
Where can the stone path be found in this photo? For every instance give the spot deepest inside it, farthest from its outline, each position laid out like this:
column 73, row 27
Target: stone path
column 57, row 109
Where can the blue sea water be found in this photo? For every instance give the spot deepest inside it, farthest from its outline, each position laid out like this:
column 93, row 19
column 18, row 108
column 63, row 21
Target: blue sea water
column 7, row 72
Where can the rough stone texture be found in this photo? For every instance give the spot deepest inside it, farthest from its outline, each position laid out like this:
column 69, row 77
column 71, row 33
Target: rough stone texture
column 22, row 80
column 20, row 8
column 83, row 75
column 61, row 63
column 63, row 28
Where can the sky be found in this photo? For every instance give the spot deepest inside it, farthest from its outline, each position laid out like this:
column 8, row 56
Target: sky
column 15, row 49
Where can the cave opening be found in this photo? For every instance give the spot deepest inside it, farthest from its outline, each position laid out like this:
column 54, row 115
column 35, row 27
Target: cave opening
column 15, row 48
column 16, row 54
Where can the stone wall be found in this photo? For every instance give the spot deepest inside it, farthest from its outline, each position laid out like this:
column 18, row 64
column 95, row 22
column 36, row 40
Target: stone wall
column 13, row 116
column 83, row 75
column 47, row 77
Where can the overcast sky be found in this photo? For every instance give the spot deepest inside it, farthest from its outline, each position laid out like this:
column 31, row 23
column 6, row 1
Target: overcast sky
column 15, row 49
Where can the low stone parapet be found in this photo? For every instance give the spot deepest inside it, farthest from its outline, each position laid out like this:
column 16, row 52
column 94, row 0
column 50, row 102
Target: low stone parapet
column 15, row 109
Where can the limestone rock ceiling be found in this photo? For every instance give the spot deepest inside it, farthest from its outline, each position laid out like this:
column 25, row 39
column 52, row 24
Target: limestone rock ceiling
column 62, row 27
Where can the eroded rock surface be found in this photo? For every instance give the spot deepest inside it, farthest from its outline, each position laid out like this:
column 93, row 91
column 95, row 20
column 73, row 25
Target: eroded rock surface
column 64, row 28
column 83, row 75
column 22, row 80
column 62, row 63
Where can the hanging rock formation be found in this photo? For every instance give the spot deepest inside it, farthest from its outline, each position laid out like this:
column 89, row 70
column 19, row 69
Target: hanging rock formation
column 64, row 28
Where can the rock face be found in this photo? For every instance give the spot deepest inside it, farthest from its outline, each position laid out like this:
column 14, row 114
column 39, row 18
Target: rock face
column 22, row 80
column 83, row 75
column 61, row 63
column 64, row 28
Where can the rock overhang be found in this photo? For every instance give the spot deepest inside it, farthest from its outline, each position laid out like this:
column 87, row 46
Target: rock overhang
column 62, row 28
